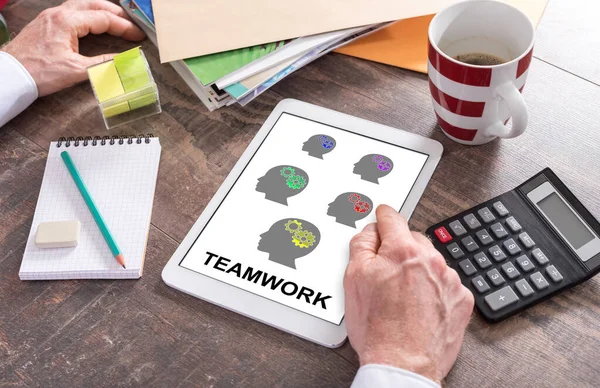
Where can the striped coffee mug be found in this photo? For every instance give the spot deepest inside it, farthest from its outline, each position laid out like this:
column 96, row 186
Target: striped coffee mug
column 473, row 104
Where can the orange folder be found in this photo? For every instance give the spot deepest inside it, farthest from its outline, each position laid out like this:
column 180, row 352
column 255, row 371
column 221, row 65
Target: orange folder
column 404, row 43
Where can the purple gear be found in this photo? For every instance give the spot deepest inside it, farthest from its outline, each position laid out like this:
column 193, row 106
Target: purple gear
column 384, row 166
column 377, row 159
column 322, row 138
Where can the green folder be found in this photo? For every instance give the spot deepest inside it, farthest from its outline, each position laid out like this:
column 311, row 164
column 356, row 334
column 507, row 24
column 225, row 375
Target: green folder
column 209, row 68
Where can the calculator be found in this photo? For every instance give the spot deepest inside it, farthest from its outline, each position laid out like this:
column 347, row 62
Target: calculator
column 521, row 247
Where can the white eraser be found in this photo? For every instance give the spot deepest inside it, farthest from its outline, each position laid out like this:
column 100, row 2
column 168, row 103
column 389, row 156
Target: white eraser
column 59, row 234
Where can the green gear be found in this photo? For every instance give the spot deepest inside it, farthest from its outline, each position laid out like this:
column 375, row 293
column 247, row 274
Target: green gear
column 287, row 172
column 296, row 182
column 293, row 222
column 303, row 239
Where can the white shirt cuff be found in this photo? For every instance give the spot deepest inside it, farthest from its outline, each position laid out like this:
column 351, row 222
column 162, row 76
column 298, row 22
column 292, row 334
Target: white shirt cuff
column 383, row 376
column 17, row 88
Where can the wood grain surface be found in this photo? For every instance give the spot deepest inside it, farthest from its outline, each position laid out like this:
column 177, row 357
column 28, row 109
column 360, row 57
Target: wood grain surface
column 143, row 333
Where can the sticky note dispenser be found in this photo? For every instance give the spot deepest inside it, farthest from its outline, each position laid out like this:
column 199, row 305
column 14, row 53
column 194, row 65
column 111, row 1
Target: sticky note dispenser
column 124, row 88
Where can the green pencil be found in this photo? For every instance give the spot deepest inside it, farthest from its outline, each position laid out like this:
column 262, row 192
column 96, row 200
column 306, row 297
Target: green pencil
column 110, row 240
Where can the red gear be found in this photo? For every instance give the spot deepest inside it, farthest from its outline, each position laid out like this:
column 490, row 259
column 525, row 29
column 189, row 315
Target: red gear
column 362, row 207
column 354, row 198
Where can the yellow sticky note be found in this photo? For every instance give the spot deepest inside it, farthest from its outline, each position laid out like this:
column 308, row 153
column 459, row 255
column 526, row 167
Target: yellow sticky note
column 107, row 85
column 105, row 79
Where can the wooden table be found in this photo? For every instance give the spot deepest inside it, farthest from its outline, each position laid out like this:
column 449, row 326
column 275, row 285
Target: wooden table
column 143, row 333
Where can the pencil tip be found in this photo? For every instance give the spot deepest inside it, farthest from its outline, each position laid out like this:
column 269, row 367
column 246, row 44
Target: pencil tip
column 124, row 266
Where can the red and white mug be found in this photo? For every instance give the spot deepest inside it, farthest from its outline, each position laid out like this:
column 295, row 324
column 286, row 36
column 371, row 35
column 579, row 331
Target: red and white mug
column 473, row 103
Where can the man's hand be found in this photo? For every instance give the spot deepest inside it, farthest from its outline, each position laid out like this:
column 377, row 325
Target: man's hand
column 404, row 306
column 48, row 47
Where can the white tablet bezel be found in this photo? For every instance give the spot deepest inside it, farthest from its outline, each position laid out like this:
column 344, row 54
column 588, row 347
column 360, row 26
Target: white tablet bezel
column 258, row 307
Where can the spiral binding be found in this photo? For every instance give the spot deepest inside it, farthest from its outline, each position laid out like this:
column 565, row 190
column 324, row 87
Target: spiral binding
column 103, row 140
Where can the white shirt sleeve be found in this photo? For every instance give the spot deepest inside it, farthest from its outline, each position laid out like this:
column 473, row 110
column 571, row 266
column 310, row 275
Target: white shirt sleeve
column 17, row 89
column 384, row 376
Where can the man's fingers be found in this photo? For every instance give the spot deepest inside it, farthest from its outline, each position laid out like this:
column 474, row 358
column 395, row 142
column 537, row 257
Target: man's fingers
column 96, row 5
column 100, row 22
column 392, row 227
column 365, row 244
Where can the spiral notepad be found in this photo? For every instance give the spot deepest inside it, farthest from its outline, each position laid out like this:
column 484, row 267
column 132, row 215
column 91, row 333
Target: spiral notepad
column 120, row 174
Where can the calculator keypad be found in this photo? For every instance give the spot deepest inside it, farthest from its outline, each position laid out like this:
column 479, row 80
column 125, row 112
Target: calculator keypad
column 472, row 221
column 525, row 263
column 455, row 251
column 482, row 261
column 510, row 270
column 497, row 253
column 524, row 288
column 480, row 284
column 539, row 256
column 498, row 259
column 495, row 277
column 513, row 224
column 511, row 247
column 500, row 209
column 467, row 267
column 539, row 281
column 498, row 230
column 553, row 274
column 484, row 237
column 486, row 215
column 457, row 228
column 526, row 241
column 501, row 298
column 469, row 244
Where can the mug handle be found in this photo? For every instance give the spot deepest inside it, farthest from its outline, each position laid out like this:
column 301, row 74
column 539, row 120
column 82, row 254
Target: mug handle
column 516, row 103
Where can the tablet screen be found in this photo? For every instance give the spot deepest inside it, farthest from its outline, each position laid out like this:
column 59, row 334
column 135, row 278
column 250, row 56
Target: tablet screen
column 282, row 231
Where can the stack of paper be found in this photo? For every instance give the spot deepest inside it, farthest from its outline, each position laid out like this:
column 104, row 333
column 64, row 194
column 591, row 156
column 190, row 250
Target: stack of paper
column 233, row 51
column 240, row 75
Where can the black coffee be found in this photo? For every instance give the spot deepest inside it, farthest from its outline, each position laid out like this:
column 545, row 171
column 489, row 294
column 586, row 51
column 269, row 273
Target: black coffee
column 479, row 59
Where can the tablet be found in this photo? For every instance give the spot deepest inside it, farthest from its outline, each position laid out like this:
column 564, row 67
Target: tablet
column 273, row 242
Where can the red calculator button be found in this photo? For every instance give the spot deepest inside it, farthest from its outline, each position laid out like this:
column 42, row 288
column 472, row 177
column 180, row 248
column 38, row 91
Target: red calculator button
column 442, row 235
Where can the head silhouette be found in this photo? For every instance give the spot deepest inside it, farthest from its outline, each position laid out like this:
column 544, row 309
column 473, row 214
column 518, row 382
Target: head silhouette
column 282, row 182
column 372, row 167
column 349, row 208
column 319, row 145
column 289, row 239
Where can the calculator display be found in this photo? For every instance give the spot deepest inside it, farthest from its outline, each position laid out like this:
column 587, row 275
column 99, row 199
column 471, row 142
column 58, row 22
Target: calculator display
column 574, row 231
column 567, row 222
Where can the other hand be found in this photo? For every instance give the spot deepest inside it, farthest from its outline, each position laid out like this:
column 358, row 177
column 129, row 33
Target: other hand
column 404, row 306
column 48, row 47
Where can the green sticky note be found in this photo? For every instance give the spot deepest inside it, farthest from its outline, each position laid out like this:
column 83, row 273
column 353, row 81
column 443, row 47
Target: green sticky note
column 132, row 70
column 141, row 101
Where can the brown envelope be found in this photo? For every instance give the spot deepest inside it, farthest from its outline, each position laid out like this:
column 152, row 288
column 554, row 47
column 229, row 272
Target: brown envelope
column 404, row 44
column 190, row 28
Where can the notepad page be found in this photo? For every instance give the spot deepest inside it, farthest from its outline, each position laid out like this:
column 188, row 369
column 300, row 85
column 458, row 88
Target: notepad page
column 121, row 180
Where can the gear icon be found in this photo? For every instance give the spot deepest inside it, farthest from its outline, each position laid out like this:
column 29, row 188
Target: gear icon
column 327, row 144
column 362, row 207
column 354, row 198
column 287, row 172
column 303, row 239
column 322, row 138
column 293, row 229
column 384, row 166
column 377, row 159
column 296, row 182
